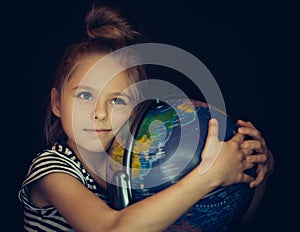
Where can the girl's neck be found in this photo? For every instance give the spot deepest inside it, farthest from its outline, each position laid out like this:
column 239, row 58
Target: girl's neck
column 94, row 163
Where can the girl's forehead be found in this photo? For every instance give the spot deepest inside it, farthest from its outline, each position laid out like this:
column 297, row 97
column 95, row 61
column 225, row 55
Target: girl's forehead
column 90, row 76
column 94, row 70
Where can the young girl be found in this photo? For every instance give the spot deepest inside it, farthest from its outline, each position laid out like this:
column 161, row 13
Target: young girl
column 65, row 192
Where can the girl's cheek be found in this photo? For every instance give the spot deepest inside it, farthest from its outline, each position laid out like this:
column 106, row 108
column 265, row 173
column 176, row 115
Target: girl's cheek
column 119, row 115
column 118, row 120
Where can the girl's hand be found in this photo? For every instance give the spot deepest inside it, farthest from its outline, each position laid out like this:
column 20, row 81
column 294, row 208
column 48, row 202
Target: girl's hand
column 225, row 161
column 262, row 156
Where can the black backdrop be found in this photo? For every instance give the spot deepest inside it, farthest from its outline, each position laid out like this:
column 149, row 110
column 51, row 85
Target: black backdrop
column 251, row 48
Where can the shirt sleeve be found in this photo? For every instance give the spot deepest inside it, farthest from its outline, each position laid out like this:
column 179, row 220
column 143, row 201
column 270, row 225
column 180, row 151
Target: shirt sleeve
column 45, row 163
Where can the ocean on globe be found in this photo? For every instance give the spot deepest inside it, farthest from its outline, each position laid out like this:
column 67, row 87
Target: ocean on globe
column 159, row 147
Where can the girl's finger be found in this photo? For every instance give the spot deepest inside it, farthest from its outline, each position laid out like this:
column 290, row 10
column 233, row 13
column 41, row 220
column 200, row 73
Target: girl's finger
column 238, row 138
column 213, row 129
column 246, row 152
column 248, row 165
column 259, row 178
column 252, row 132
column 212, row 147
column 244, row 123
column 257, row 158
column 251, row 144
column 248, row 179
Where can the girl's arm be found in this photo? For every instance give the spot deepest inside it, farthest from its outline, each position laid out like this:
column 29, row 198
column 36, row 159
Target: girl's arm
column 84, row 211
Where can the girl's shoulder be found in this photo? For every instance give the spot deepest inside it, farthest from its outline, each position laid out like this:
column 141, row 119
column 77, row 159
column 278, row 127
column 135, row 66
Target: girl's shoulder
column 59, row 155
column 58, row 158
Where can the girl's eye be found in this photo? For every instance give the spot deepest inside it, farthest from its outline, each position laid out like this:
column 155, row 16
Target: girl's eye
column 85, row 95
column 118, row 101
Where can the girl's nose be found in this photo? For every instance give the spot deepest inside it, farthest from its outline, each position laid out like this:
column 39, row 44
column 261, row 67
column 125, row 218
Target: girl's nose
column 100, row 113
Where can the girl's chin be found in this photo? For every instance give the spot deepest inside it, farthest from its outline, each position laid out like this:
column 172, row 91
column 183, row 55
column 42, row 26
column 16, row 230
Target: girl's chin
column 92, row 149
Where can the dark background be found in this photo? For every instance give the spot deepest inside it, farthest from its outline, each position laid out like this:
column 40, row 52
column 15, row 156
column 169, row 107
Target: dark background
column 251, row 48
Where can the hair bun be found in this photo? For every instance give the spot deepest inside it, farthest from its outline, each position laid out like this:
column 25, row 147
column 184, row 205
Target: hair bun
column 106, row 23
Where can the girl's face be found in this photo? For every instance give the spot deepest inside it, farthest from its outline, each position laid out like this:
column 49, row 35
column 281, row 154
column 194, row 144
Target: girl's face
column 87, row 104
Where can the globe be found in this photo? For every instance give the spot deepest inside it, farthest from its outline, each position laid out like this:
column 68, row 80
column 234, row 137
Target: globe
column 159, row 146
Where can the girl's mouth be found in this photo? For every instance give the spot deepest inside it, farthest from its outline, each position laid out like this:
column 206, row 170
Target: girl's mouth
column 99, row 132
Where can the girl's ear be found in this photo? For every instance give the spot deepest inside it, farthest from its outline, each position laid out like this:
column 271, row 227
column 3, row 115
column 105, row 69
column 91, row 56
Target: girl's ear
column 55, row 102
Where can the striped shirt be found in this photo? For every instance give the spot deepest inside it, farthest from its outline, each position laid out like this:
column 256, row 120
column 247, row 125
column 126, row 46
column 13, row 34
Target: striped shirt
column 61, row 159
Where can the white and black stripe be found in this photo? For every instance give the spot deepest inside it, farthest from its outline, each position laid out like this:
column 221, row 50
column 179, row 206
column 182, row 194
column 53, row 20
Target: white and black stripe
column 59, row 158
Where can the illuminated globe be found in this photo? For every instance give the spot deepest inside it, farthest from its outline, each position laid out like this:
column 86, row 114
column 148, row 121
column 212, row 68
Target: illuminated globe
column 159, row 147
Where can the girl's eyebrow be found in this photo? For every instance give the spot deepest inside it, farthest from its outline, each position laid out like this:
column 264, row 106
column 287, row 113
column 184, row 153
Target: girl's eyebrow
column 82, row 87
column 122, row 94
column 116, row 93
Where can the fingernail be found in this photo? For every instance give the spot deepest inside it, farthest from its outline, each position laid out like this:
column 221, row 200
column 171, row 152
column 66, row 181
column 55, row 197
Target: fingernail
column 213, row 121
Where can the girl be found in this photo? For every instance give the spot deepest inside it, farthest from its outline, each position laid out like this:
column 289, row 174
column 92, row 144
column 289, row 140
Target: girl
column 65, row 192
